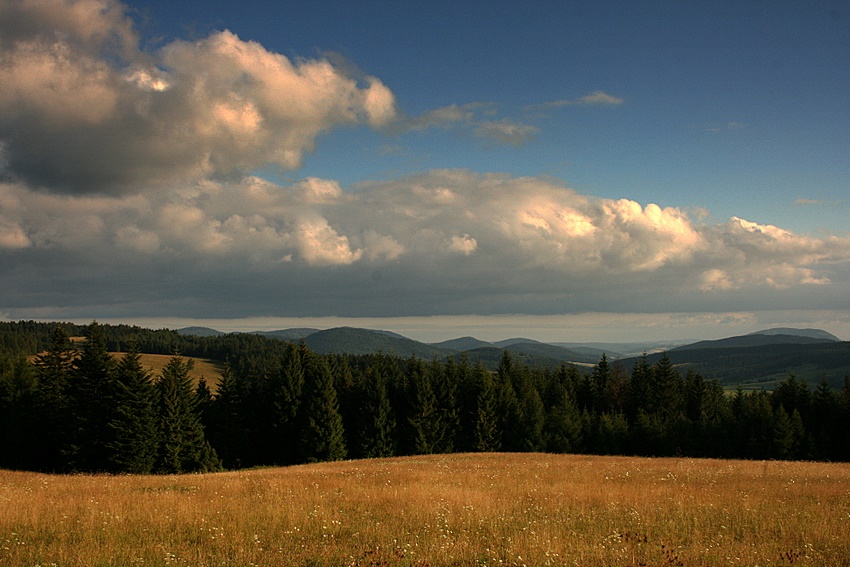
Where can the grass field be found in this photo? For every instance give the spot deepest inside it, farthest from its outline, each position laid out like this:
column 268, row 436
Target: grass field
column 199, row 367
column 455, row 510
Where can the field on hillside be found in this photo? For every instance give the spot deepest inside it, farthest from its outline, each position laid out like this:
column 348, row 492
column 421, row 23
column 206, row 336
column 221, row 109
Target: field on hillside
column 448, row 510
column 199, row 367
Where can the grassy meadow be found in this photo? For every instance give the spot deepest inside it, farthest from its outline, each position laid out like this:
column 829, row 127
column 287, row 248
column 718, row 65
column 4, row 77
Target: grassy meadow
column 447, row 510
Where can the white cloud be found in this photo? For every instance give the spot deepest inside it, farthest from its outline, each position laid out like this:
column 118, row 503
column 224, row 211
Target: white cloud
column 75, row 81
column 533, row 225
column 321, row 245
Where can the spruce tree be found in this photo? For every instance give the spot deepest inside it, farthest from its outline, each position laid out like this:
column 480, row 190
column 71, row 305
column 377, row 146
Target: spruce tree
column 444, row 384
column 226, row 430
column 422, row 416
column 323, row 435
column 91, row 400
column 285, row 392
column 183, row 447
column 374, row 422
column 563, row 426
column 134, row 433
column 488, row 424
column 53, row 369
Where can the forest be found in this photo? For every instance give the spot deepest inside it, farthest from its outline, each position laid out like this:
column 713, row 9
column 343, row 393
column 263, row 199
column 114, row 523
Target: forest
column 72, row 406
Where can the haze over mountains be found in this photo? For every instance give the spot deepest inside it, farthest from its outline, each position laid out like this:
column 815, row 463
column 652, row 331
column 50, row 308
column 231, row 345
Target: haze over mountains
column 756, row 358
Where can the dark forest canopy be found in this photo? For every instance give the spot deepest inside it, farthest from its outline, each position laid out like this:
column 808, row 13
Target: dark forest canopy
column 72, row 406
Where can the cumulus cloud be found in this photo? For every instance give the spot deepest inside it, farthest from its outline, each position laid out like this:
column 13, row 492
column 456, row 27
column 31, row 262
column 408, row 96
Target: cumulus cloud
column 124, row 184
column 86, row 111
column 440, row 240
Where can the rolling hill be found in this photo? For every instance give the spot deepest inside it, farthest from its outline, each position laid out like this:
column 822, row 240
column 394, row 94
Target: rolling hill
column 757, row 359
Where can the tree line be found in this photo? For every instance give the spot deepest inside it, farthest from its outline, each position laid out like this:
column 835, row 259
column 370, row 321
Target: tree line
column 278, row 403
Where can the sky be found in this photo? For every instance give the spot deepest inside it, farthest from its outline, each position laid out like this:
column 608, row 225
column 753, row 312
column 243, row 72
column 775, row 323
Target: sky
column 563, row 171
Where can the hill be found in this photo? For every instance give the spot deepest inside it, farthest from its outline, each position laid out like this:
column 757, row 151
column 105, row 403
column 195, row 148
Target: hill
column 199, row 332
column 763, row 365
column 350, row 340
column 293, row 335
column 811, row 333
column 754, row 340
column 461, row 344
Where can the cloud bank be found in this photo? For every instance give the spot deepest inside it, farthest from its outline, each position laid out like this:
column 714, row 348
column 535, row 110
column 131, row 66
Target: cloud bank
column 448, row 241
column 127, row 188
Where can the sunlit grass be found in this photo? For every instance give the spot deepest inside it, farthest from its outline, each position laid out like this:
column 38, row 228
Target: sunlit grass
column 458, row 510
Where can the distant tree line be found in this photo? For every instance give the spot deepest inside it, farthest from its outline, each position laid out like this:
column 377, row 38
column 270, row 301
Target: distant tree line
column 72, row 409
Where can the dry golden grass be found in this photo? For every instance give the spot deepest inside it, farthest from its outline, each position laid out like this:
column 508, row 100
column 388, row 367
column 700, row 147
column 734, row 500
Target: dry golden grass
column 455, row 510
column 200, row 367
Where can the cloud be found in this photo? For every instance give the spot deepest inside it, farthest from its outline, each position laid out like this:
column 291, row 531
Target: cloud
column 595, row 98
column 86, row 111
column 476, row 117
column 444, row 241
column 802, row 202
column 506, row 131
column 729, row 126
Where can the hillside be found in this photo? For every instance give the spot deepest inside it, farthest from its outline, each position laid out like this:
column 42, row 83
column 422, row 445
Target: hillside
column 349, row 340
column 812, row 333
column 754, row 340
column 766, row 363
column 439, row 511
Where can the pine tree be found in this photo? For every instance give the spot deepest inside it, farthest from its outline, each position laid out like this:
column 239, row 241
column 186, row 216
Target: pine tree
column 640, row 388
column 323, row 435
column 444, row 385
column 134, row 434
column 53, row 369
column 488, row 432
column 664, row 391
column 422, row 415
column 563, row 426
column 600, row 381
column 183, row 447
column 375, row 422
column 91, row 393
column 17, row 412
column 226, row 430
column 285, row 392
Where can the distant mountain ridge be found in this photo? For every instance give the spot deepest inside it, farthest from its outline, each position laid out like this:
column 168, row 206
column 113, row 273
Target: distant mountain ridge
column 812, row 333
column 760, row 356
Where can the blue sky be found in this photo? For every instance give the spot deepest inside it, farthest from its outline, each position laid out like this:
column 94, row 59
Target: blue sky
column 624, row 169
column 736, row 107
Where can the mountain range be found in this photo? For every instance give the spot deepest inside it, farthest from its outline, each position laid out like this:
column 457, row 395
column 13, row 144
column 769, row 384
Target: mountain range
column 754, row 360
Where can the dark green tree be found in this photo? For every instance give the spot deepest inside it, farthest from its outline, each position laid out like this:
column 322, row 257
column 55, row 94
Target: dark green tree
column 134, row 434
column 600, row 381
column 323, row 434
column 54, row 368
column 423, row 419
column 444, row 384
column 17, row 412
column 91, row 401
column 375, row 422
column 640, row 388
column 286, row 387
column 563, row 426
column 183, row 448
column 226, row 427
column 488, row 432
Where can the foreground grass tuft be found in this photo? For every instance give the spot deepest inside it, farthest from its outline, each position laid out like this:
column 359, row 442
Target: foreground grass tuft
column 454, row 510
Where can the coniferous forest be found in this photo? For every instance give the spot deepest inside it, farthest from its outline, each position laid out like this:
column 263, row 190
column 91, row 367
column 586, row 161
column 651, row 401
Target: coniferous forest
column 74, row 407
